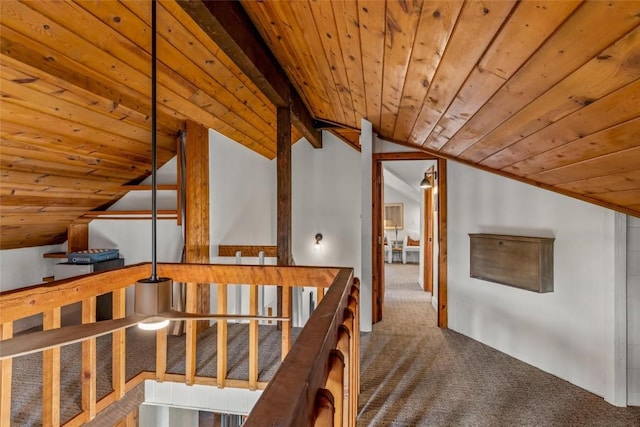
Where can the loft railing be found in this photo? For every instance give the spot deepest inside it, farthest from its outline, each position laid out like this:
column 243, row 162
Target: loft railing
column 317, row 381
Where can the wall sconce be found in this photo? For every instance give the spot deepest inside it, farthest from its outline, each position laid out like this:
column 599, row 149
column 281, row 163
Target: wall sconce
column 425, row 183
column 318, row 247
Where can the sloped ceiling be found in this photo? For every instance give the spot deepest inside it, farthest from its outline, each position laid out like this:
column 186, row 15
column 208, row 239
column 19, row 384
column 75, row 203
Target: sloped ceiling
column 542, row 91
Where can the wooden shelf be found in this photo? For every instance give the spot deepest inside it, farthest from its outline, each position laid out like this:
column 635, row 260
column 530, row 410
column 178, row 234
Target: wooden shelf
column 55, row 255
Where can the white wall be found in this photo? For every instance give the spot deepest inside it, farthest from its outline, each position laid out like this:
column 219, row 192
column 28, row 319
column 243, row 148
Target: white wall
column 242, row 194
column 25, row 267
column 568, row 332
column 411, row 209
column 367, row 141
column 633, row 311
column 326, row 199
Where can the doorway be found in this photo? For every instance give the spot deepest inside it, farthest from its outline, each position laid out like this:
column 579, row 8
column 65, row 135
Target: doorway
column 418, row 226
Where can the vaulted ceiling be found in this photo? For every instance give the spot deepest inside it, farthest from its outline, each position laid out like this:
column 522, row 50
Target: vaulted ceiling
column 546, row 92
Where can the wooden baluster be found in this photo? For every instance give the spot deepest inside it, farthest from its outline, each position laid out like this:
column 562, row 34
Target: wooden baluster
column 6, row 332
column 321, row 291
column 89, row 362
column 51, row 373
column 349, row 323
column 118, row 345
column 286, row 326
column 344, row 345
column 335, row 384
column 324, row 408
column 222, row 337
column 191, row 306
column 132, row 418
column 161, row 354
column 253, row 338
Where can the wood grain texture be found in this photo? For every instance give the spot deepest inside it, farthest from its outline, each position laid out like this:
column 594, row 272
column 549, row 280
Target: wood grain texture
column 51, row 374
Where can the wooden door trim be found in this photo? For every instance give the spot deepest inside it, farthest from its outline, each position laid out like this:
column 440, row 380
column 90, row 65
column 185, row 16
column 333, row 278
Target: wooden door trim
column 378, row 158
column 427, row 234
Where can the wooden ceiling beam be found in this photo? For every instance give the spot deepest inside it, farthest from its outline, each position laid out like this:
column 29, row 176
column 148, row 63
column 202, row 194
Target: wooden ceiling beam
column 228, row 25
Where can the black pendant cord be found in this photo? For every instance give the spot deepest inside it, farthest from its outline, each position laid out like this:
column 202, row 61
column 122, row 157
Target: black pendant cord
column 154, row 184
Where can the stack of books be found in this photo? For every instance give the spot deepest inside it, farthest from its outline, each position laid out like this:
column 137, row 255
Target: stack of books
column 91, row 256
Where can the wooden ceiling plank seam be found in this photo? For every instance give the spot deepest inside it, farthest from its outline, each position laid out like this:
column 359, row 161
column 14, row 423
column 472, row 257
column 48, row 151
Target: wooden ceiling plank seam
column 615, row 108
column 19, row 114
column 620, row 161
column 591, row 28
column 402, row 22
column 624, row 198
column 166, row 96
column 372, row 35
column 501, row 61
column 434, row 30
column 48, row 180
column 42, row 200
column 610, row 70
column 46, row 140
column 478, row 21
column 19, row 192
column 346, row 16
column 610, row 140
column 301, row 11
column 605, row 184
column 228, row 70
column 16, row 163
column 324, row 20
column 48, row 84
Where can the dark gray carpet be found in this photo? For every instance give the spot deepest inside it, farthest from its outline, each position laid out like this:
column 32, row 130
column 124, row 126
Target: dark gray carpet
column 414, row 374
column 27, row 370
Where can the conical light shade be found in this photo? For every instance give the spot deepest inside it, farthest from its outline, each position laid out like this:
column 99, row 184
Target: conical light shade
column 425, row 183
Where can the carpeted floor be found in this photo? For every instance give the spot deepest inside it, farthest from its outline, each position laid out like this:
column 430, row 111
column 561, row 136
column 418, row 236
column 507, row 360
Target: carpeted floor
column 414, row 374
column 27, row 370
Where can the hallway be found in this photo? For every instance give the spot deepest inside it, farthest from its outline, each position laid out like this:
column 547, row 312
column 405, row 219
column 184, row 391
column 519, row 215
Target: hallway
column 414, row 374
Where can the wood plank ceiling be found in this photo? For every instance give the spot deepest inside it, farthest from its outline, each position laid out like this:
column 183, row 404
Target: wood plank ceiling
column 542, row 91
column 75, row 106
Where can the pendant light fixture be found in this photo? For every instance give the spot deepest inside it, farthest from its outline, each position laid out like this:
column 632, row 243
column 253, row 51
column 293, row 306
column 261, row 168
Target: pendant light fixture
column 153, row 295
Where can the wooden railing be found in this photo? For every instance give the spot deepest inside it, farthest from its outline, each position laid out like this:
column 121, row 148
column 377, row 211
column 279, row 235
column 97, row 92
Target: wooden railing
column 324, row 358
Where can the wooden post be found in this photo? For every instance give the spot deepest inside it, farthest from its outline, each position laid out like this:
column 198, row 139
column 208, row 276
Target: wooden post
column 51, row 373
column 6, row 332
column 197, row 209
column 119, row 351
column 283, row 153
column 196, row 225
column 89, row 362
column 286, row 326
column 77, row 236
